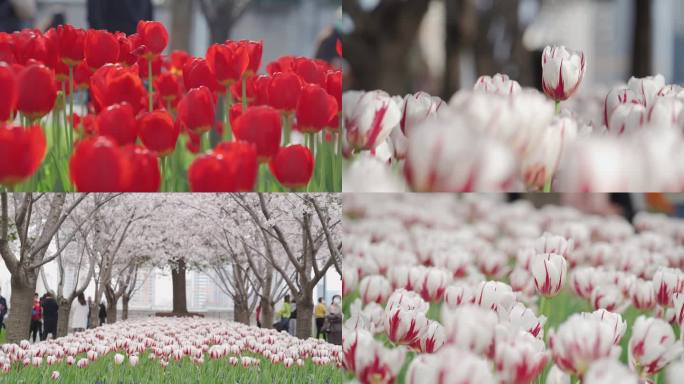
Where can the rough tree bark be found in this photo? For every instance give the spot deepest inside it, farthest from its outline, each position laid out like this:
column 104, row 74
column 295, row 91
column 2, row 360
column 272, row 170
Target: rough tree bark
column 125, row 299
column 221, row 16
column 643, row 33
column 378, row 49
column 18, row 323
column 180, row 303
column 241, row 312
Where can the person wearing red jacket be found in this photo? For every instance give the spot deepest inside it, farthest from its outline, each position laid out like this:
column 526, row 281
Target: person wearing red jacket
column 36, row 317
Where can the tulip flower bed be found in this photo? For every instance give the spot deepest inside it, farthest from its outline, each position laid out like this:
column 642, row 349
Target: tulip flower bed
column 446, row 290
column 88, row 110
column 501, row 137
column 171, row 350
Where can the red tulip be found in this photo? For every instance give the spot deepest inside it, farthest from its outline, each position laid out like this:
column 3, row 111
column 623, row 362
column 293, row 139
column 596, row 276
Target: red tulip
column 7, row 48
column 82, row 74
column 98, row 165
column 126, row 56
column 311, row 71
column 196, row 110
column 261, row 126
column 231, row 168
column 157, row 63
column 158, row 132
column 118, row 123
column 315, row 109
column 168, row 87
column 284, row 91
column 114, row 83
column 197, row 73
column 86, row 125
column 70, row 44
column 293, row 166
column 101, row 47
column 244, row 155
column 176, row 61
column 30, row 44
column 228, row 62
column 8, row 96
column 282, row 64
column 21, row 152
column 153, row 36
column 255, row 50
column 334, row 87
column 145, row 174
column 37, row 91
column 261, row 85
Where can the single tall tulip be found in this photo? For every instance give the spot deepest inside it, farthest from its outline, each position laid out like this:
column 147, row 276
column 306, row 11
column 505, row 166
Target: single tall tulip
column 228, row 62
column 550, row 272
column 153, row 37
column 158, row 132
column 369, row 118
column 196, row 110
column 563, row 71
column 261, row 126
column 37, row 91
column 21, row 152
column 293, row 166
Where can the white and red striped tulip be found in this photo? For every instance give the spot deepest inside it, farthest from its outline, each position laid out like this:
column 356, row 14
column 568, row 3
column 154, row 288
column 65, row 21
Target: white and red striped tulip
column 521, row 359
column 652, row 346
column 499, row 84
column 562, row 72
column 610, row 371
column 549, row 271
column 369, row 118
column 647, row 88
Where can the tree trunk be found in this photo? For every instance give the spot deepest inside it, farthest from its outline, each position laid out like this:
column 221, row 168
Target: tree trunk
column 94, row 315
column 63, row 314
column 241, row 312
column 305, row 315
column 124, row 310
column 181, row 21
column 111, row 309
column 266, row 313
column 19, row 321
column 643, row 31
column 180, row 303
column 219, row 30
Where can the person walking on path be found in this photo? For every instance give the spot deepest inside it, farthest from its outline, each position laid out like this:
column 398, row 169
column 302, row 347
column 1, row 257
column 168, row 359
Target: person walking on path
column 36, row 316
column 102, row 314
column 3, row 311
column 292, row 323
column 258, row 315
column 79, row 314
column 284, row 312
column 50, row 310
column 333, row 326
column 320, row 311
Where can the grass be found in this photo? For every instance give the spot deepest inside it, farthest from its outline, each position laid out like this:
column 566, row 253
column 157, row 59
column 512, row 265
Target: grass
column 104, row 371
column 561, row 308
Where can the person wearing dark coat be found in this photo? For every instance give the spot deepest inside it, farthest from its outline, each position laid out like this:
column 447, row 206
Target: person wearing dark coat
column 3, row 311
column 50, row 314
column 118, row 15
column 102, row 314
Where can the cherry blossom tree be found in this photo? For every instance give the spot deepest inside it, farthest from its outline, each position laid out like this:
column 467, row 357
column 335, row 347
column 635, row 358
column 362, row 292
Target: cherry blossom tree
column 28, row 225
column 305, row 230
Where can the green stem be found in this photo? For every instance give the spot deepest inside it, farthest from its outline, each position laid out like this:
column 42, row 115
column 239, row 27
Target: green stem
column 226, row 116
column 71, row 102
column 547, row 184
column 287, row 128
column 150, row 91
column 244, row 93
column 558, row 107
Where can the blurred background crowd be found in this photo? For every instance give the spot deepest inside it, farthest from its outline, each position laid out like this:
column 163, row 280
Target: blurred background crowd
column 294, row 27
column 440, row 46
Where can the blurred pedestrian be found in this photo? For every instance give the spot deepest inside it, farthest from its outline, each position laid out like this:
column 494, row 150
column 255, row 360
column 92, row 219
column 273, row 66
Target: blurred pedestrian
column 50, row 314
column 284, row 312
column 333, row 321
column 258, row 315
column 102, row 314
column 320, row 311
column 3, row 311
column 36, row 317
column 16, row 14
column 79, row 314
column 90, row 310
column 119, row 15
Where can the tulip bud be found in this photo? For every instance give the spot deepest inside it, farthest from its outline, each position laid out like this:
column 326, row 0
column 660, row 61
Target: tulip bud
column 667, row 282
column 118, row 359
column 470, row 327
column 364, row 355
column 456, row 295
column 642, row 294
column 652, row 346
column 549, row 271
column 581, row 340
column 499, row 84
column 609, row 371
column 458, row 365
column 405, row 319
column 374, row 288
column 521, row 359
column 369, row 118
column 54, row 375
column 616, row 97
column 647, row 88
column 562, row 70
column 665, row 112
column 495, row 295
column 431, row 284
